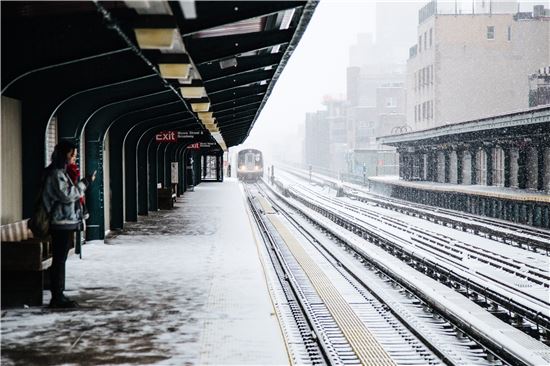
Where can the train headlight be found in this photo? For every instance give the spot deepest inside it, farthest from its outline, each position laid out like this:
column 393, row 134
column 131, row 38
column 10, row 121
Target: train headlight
column 241, row 167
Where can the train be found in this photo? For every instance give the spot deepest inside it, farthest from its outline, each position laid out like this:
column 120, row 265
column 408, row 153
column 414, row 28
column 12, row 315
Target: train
column 250, row 165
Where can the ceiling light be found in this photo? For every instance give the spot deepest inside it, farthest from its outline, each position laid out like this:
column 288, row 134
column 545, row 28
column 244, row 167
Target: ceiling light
column 200, row 105
column 205, row 115
column 155, row 38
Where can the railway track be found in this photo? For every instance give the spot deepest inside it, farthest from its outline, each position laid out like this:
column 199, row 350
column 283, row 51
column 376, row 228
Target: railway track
column 523, row 236
column 524, row 307
column 443, row 338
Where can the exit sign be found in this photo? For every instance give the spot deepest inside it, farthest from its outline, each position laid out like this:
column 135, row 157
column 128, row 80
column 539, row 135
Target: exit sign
column 167, row 136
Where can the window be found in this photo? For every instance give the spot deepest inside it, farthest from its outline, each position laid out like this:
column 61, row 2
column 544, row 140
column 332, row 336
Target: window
column 420, row 44
column 491, row 32
column 428, row 76
column 425, row 40
column 431, row 33
column 423, row 110
column 509, row 32
column 415, row 81
column 416, row 113
column 424, row 76
column 432, row 74
column 390, row 102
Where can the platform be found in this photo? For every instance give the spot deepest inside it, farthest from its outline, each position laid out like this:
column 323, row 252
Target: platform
column 179, row 287
column 507, row 193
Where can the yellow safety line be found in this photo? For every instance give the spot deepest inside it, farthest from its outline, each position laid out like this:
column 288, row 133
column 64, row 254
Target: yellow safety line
column 285, row 340
column 366, row 347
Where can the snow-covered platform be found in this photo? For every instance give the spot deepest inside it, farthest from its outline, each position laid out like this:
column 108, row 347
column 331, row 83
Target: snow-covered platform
column 180, row 287
column 479, row 190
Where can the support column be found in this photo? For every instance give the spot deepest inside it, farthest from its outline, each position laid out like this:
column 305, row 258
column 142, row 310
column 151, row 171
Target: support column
column 489, row 151
column 522, row 167
column 532, row 167
column 459, row 155
column 506, row 165
column 514, row 167
column 453, row 167
column 546, row 174
column 401, row 165
column 466, row 167
column 473, row 166
column 423, row 164
column 440, row 167
column 447, row 166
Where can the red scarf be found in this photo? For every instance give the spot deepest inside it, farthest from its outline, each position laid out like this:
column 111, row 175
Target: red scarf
column 74, row 174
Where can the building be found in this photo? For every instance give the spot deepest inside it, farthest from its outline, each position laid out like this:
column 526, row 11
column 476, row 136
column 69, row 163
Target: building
column 468, row 66
column 316, row 139
column 539, row 88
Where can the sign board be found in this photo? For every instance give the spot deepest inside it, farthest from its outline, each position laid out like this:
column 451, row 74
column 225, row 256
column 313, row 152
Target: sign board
column 196, row 145
column 208, row 144
column 188, row 134
column 174, row 171
column 166, row 136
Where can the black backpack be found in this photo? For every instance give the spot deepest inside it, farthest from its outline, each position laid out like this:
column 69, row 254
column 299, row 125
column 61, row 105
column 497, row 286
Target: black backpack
column 39, row 223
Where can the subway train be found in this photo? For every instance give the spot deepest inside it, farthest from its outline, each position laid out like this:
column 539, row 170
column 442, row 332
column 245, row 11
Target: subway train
column 250, row 165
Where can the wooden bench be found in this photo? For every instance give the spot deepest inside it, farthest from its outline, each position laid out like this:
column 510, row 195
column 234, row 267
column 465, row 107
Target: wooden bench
column 166, row 198
column 24, row 261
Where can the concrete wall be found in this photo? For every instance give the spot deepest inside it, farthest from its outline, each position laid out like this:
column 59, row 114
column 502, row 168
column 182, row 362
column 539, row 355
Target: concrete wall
column 11, row 160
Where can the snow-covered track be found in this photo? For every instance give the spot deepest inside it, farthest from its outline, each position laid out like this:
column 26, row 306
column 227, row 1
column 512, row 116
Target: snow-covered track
column 351, row 327
column 510, row 287
column 478, row 322
column 523, row 236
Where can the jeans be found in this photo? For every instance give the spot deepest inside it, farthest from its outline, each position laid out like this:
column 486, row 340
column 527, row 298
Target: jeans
column 61, row 243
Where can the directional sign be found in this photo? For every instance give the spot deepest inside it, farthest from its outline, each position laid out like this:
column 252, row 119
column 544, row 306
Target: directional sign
column 208, row 144
column 166, row 136
column 188, row 134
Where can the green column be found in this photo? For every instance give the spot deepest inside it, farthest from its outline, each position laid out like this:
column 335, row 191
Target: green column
column 95, row 227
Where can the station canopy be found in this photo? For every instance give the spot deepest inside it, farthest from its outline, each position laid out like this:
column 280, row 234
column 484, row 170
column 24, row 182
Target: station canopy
column 219, row 59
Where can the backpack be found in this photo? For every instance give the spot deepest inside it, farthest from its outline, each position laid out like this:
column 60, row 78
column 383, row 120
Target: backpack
column 39, row 223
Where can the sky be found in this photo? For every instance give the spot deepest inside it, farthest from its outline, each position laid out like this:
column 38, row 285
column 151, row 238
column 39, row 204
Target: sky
column 317, row 68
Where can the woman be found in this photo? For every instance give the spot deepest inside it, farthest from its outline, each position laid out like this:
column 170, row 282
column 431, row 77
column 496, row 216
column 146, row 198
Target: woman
column 62, row 200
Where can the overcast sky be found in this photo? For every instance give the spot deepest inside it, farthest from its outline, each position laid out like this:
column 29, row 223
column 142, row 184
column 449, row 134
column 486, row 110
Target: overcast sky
column 318, row 68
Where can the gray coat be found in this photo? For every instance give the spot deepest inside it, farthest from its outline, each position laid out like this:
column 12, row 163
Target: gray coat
column 62, row 200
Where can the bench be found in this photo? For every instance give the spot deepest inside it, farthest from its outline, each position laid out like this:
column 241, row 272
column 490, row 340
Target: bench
column 166, row 198
column 24, row 261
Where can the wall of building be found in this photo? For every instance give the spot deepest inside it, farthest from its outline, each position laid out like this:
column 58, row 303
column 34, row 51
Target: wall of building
column 316, row 139
column 12, row 166
column 473, row 76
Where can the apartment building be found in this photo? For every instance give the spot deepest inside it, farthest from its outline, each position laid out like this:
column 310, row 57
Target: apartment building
column 469, row 66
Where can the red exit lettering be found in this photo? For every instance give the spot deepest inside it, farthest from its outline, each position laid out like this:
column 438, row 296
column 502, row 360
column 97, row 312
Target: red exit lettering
column 166, row 136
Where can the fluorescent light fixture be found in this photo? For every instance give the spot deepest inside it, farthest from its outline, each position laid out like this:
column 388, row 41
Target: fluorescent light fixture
column 200, row 104
column 228, row 62
column 155, row 38
column 193, row 92
column 205, row 115
column 174, row 71
column 188, row 9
